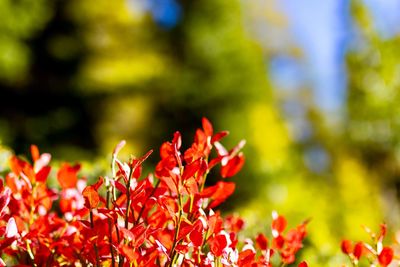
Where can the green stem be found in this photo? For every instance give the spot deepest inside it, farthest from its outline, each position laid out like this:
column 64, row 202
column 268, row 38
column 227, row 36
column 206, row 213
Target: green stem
column 177, row 228
column 218, row 262
column 114, row 197
column 113, row 177
column 30, row 253
column 204, row 181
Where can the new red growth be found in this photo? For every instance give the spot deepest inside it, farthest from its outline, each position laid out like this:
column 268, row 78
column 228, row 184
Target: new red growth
column 165, row 219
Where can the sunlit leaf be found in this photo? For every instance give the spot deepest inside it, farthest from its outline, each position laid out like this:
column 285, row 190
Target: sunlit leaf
column 92, row 198
column 67, row 175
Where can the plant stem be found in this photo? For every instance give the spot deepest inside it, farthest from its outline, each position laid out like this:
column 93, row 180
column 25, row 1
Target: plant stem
column 177, row 228
column 128, row 204
column 128, row 196
column 96, row 251
column 144, row 204
column 121, row 258
column 30, row 253
column 204, row 181
column 110, row 229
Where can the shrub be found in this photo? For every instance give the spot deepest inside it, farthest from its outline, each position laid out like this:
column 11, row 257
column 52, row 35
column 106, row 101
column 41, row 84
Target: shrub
column 168, row 218
column 375, row 253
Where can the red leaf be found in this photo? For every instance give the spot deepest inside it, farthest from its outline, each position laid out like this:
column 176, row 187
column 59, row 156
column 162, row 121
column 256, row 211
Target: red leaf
column 358, row 250
column 121, row 200
column 67, row 175
column 139, row 232
column 136, row 164
column 200, row 139
column 92, row 198
column 279, row 224
column 218, row 244
column 207, row 127
column 196, row 236
column 278, row 242
column 214, row 162
column 214, row 223
column 119, row 186
column 234, row 240
column 164, row 166
column 166, row 150
column 191, row 169
column 218, row 136
column 137, row 171
column 42, row 175
column 191, row 186
column 16, row 165
column 185, row 228
column 29, row 172
column 2, row 231
column 202, row 170
column 234, row 223
column 233, row 166
column 4, row 243
column 168, row 204
column 35, row 153
column 99, row 182
column 218, row 192
column 177, row 140
column 171, row 183
column 347, row 247
column 386, row 256
column 382, row 234
column 129, row 253
column 246, row 257
column 126, row 234
column 182, row 249
column 262, row 241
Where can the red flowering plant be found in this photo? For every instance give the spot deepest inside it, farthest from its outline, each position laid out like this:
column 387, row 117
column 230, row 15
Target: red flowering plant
column 168, row 218
column 374, row 252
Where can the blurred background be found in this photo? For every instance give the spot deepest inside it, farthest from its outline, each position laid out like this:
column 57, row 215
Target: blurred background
column 313, row 86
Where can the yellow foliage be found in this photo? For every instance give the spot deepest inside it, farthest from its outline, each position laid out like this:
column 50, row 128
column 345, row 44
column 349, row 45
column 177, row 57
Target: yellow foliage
column 269, row 135
column 5, row 154
column 124, row 118
column 104, row 11
column 359, row 195
column 125, row 70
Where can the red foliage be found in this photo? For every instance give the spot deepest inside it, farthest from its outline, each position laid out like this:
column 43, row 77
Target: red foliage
column 376, row 253
column 162, row 220
column 67, row 175
column 386, row 256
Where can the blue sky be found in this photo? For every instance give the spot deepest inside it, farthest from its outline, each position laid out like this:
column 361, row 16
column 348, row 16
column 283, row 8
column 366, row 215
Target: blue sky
column 323, row 30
